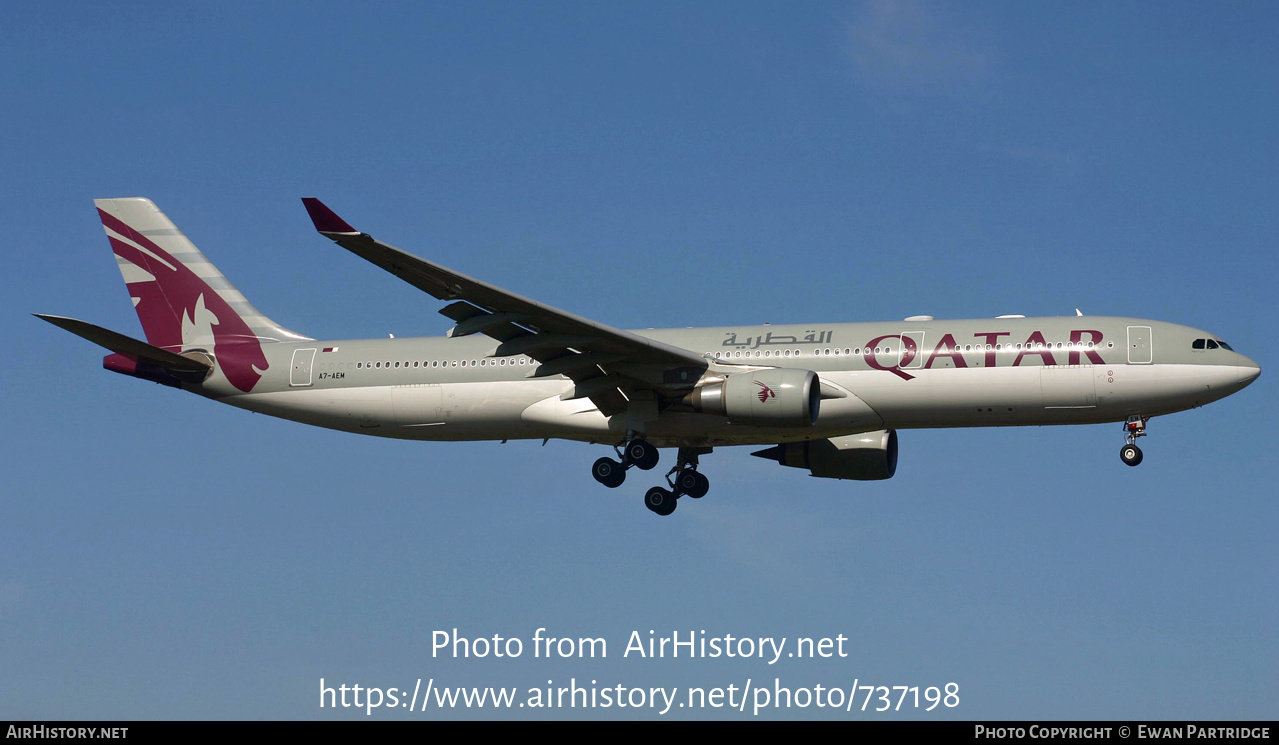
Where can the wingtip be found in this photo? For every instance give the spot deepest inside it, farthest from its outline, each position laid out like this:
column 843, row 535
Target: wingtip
column 325, row 219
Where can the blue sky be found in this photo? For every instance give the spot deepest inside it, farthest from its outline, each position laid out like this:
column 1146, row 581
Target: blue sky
column 649, row 165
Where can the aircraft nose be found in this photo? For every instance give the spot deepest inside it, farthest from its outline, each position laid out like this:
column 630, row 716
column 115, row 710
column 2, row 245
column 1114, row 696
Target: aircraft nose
column 1248, row 370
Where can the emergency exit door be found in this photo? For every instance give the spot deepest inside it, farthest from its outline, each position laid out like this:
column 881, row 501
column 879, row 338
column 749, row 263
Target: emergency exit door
column 1140, row 349
column 300, row 372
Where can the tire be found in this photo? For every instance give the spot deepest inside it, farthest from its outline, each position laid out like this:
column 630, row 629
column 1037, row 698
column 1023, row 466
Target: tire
column 1130, row 454
column 609, row 472
column 660, row 501
column 692, row 483
column 641, row 454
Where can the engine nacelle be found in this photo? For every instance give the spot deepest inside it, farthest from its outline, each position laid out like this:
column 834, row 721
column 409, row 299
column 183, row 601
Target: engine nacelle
column 779, row 397
column 870, row 456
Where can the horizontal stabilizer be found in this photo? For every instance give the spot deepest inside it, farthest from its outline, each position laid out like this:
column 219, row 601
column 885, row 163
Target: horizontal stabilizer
column 127, row 346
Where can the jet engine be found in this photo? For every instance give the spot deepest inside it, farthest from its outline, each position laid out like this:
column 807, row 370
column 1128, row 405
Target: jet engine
column 870, row 456
column 776, row 397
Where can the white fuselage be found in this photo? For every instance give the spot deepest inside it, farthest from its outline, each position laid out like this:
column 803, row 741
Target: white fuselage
column 987, row 372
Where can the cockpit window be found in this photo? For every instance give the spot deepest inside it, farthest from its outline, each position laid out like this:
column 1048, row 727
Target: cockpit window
column 1225, row 345
column 1198, row 344
column 1212, row 344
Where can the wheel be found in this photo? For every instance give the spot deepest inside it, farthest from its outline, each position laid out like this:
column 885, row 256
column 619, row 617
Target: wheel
column 1130, row 454
column 692, row 483
column 660, row 500
column 609, row 472
column 641, row 454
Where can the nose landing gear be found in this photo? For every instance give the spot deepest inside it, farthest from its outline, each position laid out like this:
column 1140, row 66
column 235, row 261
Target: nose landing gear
column 1135, row 427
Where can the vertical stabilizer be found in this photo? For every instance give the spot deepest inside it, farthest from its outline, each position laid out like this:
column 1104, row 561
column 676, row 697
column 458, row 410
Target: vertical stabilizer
column 182, row 300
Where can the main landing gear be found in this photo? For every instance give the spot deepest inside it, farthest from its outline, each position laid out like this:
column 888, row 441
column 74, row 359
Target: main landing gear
column 637, row 453
column 1135, row 427
column 684, row 479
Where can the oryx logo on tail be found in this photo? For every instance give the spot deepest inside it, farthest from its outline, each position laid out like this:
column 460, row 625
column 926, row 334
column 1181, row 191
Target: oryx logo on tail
column 181, row 299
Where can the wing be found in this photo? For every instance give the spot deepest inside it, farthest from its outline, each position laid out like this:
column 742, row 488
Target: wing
column 608, row 365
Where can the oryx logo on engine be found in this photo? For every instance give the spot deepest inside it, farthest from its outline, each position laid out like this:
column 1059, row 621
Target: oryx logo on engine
column 765, row 392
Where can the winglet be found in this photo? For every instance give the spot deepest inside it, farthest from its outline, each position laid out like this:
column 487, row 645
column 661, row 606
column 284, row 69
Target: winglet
column 326, row 221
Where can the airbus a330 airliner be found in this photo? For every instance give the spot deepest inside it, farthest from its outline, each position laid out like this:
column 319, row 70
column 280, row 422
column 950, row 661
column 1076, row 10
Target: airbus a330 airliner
column 825, row 397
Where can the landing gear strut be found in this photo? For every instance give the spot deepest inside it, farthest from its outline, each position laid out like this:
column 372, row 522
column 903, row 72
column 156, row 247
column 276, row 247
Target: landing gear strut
column 1135, row 427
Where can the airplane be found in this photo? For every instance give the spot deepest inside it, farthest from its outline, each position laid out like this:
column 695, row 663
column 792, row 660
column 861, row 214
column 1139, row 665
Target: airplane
column 828, row 398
